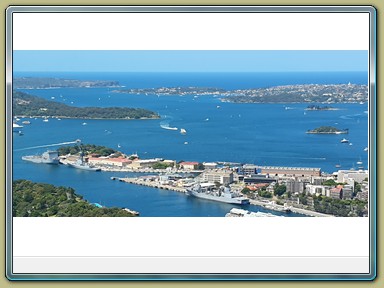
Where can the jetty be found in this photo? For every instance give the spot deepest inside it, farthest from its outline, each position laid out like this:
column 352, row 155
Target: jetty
column 153, row 184
column 293, row 209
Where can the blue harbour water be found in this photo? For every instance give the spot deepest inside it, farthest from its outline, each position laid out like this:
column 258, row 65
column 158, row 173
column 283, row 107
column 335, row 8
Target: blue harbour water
column 263, row 134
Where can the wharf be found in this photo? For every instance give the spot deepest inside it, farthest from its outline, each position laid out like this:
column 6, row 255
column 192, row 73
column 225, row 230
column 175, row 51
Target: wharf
column 147, row 170
column 153, row 184
column 293, row 209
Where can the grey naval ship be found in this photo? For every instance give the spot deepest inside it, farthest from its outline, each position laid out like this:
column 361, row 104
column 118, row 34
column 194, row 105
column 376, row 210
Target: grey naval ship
column 222, row 194
column 81, row 164
column 48, row 157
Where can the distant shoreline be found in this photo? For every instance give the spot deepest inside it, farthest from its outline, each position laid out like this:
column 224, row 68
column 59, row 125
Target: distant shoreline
column 89, row 118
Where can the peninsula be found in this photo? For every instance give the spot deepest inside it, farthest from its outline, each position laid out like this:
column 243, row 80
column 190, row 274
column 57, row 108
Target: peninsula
column 25, row 105
column 51, row 83
column 305, row 93
column 30, row 199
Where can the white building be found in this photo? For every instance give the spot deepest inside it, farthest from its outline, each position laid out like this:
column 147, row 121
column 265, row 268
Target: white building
column 356, row 175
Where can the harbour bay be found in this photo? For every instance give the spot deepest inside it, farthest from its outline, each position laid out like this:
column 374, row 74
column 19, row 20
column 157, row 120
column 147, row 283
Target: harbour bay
column 263, row 134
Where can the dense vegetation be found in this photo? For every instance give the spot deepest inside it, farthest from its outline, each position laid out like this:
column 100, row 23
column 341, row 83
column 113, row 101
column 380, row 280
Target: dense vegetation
column 339, row 207
column 44, row 200
column 45, row 83
column 88, row 149
column 32, row 106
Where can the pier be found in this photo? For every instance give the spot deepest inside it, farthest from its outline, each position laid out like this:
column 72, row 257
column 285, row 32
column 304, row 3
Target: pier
column 293, row 209
column 157, row 185
column 153, row 184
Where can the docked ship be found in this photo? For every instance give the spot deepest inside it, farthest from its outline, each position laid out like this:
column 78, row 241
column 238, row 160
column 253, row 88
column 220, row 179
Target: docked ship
column 81, row 164
column 236, row 212
column 48, row 157
column 223, row 194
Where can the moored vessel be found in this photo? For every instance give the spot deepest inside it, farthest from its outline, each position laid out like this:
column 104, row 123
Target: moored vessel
column 80, row 164
column 48, row 157
column 236, row 212
column 222, row 194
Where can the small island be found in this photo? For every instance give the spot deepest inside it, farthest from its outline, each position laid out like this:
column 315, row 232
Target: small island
column 52, row 83
column 327, row 130
column 32, row 199
column 25, row 105
column 320, row 108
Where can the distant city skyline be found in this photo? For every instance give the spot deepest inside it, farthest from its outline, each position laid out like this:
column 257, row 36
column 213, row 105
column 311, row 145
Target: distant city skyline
column 190, row 61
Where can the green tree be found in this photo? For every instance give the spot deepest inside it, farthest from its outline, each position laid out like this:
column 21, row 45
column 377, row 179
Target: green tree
column 279, row 190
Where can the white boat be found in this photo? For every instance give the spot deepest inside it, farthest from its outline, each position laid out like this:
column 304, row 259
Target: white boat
column 45, row 120
column 183, row 131
column 16, row 127
column 366, row 149
column 236, row 212
column 168, row 128
column 26, row 122
column 344, row 140
column 132, row 211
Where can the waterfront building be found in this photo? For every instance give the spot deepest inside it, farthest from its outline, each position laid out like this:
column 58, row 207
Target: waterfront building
column 357, row 175
column 271, row 187
column 223, row 177
column 248, row 169
column 295, row 186
column 119, row 162
column 347, row 192
column 315, row 189
column 145, row 163
column 188, row 165
column 336, row 193
column 210, row 165
column 289, row 171
column 317, row 180
column 251, row 179
column 362, row 195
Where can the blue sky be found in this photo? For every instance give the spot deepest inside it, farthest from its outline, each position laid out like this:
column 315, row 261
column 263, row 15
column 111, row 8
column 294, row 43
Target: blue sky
column 189, row 61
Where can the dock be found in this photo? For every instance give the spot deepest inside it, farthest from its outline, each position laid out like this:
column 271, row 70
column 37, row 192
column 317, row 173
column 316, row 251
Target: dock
column 293, row 209
column 153, row 184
